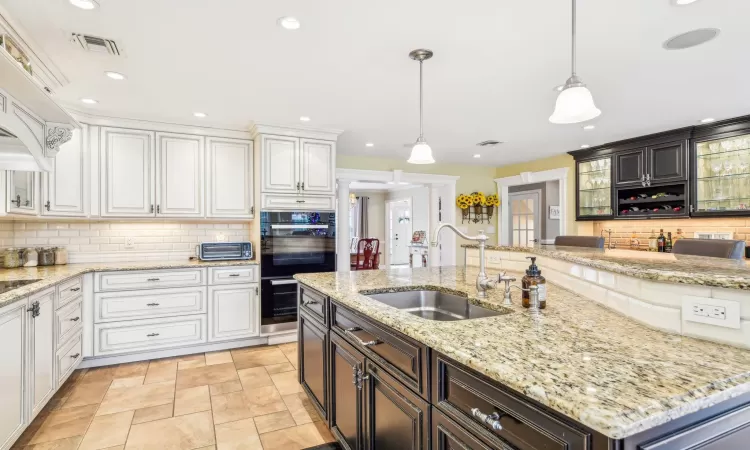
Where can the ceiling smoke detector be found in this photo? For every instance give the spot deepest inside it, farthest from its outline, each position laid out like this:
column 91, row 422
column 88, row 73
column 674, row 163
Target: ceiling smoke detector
column 489, row 143
column 96, row 44
column 691, row 38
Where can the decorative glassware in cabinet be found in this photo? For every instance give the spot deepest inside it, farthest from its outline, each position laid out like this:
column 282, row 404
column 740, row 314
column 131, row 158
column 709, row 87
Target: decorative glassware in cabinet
column 723, row 174
column 595, row 188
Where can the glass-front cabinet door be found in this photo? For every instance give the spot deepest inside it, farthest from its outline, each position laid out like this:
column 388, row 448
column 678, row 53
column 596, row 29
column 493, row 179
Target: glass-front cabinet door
column 723, row 176
column 595, row 188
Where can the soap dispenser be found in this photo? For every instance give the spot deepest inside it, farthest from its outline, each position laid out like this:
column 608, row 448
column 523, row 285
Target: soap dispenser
column 534, row 278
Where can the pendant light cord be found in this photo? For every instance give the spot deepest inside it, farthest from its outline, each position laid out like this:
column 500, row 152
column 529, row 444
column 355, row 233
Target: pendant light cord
column 421, row 133
column 574, row 37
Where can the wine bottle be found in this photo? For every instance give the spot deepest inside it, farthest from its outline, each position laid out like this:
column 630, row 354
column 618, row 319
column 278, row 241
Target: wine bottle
column 653, row 245
column 661, row 241
column 668, row 244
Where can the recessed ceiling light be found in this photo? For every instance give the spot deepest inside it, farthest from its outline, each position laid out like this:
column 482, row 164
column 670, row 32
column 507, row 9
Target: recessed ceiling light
column 683, row 2
column 304, row 119
column 115, row 75
column 369, row 144
column 708, row 120
column 85, row 4
column 477, row 155
column 89, row 101
column 589, row 127
column 585, row 146
column 289, row 23
column 691, row 38
column 199, row 114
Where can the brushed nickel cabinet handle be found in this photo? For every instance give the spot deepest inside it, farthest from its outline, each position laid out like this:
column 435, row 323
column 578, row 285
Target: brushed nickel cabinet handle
column 152, row 334
column 152, row 304
column 75, row 289
column 75, row 319
column 234, row 274
column 491, row 420
column 351, row 331
column 75, row 356
column 152, row 279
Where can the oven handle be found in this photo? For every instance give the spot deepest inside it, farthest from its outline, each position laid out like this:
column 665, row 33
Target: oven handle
column 300, row 227
column 280, row 282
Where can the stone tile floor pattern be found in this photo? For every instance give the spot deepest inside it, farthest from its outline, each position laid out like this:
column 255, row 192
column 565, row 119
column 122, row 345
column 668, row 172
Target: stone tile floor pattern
column 247, row 399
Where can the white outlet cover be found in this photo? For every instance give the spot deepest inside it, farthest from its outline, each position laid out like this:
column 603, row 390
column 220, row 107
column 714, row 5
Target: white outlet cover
column 130, row 243
column 732, row 309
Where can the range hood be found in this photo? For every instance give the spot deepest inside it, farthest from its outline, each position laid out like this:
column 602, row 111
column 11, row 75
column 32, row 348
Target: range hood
column 32, row 124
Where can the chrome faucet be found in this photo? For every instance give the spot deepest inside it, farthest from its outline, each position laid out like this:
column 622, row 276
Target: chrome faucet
column 483, row 283
column 505, row 278
column 610, row 245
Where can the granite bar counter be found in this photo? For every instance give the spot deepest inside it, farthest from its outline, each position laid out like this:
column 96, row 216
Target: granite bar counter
column 579, row 358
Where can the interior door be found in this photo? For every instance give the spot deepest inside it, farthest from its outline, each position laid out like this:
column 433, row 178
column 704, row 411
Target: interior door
column 318, row 164
column 400, row 232
column 128, row 185
column 346, row 393
column 64, row 186
column 280, row 164
column 180, row 187
column 524, row 216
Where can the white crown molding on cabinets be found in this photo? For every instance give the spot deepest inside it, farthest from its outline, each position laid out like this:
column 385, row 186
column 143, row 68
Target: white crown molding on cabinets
column 297, row 132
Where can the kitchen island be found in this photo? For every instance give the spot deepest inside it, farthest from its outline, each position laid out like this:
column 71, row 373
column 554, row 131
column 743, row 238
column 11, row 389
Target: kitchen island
column 579, row 375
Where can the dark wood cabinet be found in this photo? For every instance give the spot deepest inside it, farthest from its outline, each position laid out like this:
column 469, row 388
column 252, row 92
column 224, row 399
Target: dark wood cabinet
column 346, row 411
column 630, row 168
column 448, row 435
column 313, row 362
column 667, row 162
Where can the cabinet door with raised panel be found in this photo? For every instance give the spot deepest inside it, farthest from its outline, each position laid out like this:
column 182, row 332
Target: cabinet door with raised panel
column 128, row 173
column 280, row 161
column 230, row 178
column 629, row 167
column 63, row 188
column 180, row 180
column 346, row 411
column 318, row 161
column 312, row 353
column 667, row 162
column 233, row 312
column 13, row 335
column 23, row 192
column 42, row 383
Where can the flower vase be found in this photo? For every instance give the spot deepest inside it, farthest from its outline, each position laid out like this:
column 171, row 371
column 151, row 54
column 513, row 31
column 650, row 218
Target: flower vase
column 478, row 214
column 464, row 213
column 489, row 212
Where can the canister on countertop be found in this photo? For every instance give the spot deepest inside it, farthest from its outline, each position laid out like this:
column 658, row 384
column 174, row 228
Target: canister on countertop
column 61, row 256
column 46, row 256
column 11, row 258
column 30, row 257
column 534, row 278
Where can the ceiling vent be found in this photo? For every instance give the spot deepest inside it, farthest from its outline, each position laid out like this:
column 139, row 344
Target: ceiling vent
column 490, row 143
column 96, row 44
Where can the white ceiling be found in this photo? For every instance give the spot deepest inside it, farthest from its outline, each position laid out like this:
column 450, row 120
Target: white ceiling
column 495, row 64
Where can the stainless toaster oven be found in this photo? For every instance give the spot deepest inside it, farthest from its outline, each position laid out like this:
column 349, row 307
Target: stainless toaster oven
column 214, row 251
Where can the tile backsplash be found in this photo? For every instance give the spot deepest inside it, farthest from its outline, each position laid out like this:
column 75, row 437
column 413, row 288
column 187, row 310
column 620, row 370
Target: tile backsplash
column 116, row 240
column 622, row 230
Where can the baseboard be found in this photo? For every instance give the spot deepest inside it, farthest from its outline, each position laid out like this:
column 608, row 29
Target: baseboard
column 282, row 338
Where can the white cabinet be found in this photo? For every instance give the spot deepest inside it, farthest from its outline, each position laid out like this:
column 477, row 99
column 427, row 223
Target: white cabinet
column 317, row 167
column 63, row 189
column 152, row 334
column 297, row 202
column 233, row 312
column 13, row 336
column 127, row 173
column 281, row 171
column 148, row 304
column 230, row 178
column 41, row 350
column 23, row 192
column 180, row 169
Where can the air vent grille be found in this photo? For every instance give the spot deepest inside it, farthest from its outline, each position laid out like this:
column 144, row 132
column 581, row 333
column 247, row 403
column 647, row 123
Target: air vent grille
column 96, row 44
column 490, row 143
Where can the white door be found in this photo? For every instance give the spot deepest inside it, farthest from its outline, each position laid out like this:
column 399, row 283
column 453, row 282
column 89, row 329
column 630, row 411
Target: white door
column 23, row 192
column 13, row 336
column 233, row 312
column 400, row 232
column 127, row 168
column 280, row 164
column 318, row 167
column 180, row 186
column 42, row 350
column 63, row 187
column 525, row 225
column 230, row 178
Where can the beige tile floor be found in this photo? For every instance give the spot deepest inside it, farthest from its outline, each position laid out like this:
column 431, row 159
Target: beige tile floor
column 245, row 399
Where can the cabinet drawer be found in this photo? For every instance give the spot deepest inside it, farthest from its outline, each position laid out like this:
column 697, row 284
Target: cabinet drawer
column 150, row 304
column 68, row 321
column 447, row 434
column 297, row 202
column 314, row 303
column 402, row 356
column 67, row 291
column 230, row 275
column 151, row 334
column 461, row 395
column 121, row 281
column 68, row 358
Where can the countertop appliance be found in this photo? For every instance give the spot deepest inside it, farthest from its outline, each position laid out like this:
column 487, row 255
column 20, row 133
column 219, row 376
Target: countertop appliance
column 291, row 242
column 220, row 251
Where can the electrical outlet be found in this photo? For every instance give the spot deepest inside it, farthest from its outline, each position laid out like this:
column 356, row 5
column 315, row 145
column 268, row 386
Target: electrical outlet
column 221, row 237
column 712, row 311
column 129, row 243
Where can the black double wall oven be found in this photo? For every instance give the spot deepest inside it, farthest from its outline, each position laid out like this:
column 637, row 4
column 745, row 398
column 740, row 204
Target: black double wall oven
column 292, row 242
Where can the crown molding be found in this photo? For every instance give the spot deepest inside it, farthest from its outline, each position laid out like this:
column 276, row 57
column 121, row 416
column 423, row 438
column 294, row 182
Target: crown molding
column 300, row 132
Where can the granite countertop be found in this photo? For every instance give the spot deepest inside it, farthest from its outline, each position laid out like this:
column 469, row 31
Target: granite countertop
column 684, row 269
column 51, row 275
column 605, row 371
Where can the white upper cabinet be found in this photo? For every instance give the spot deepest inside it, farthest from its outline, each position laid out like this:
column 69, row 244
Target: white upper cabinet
column 281, row 171
column 63, row 192
column 13, row 336
column 23, row 192
column 318, row 166
column 180, row 188
column 230, row 178
column 127, row 173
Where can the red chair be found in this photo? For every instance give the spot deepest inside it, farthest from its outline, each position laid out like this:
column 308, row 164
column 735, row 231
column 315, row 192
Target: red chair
column 367, row 254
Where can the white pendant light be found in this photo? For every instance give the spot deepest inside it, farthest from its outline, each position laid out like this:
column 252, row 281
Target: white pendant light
column 575, row 103
column 421, row 153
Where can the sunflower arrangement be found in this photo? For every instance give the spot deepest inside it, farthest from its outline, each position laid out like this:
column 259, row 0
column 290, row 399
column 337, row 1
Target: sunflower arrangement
column 464, row 201
column 492, row 200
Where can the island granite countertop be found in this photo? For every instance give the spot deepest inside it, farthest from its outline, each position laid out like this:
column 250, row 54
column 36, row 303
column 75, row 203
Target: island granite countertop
column 51, row 275
column 683, row 269
column 578, row 358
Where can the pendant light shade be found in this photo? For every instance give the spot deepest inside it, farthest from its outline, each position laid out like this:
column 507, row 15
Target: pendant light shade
column 421, row 153
column 575, row 103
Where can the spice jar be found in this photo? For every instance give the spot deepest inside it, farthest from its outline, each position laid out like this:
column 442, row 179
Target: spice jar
column 46, row 257
column 30, row 257
column 11, row 258
column 61, row 256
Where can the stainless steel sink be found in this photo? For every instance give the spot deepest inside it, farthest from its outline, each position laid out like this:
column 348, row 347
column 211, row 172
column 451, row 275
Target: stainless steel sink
column 435, row 305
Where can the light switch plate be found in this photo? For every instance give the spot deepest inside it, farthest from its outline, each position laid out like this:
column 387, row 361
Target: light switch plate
column 711, row 311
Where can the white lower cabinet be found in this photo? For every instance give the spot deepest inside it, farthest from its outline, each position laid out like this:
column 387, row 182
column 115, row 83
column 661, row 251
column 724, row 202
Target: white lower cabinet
column 42, row 349
column 281, row 202
column 68, row 321
column 152, row 334
column 13, row 319
column 233, row 312
column 68, row 358
column 148, row 304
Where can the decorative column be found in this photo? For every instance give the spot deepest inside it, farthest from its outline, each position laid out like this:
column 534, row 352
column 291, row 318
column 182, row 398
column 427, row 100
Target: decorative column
column 343, row 257
column 433, row 253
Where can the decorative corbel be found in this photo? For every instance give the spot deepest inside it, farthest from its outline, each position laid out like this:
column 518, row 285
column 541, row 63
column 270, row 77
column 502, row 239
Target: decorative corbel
column 57, row 135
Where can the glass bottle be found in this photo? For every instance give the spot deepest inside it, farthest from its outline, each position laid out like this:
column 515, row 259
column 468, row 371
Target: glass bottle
column 30, row 257
column 61, row 256
column 534, row 278
column 661, row 240
column 653, row 244
column 668, row 243
column 46, row 257
column 11, row 258
column 678, row 236
column 635, row 244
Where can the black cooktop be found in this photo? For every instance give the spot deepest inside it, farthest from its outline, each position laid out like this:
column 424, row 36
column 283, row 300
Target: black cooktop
column 6, row 286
